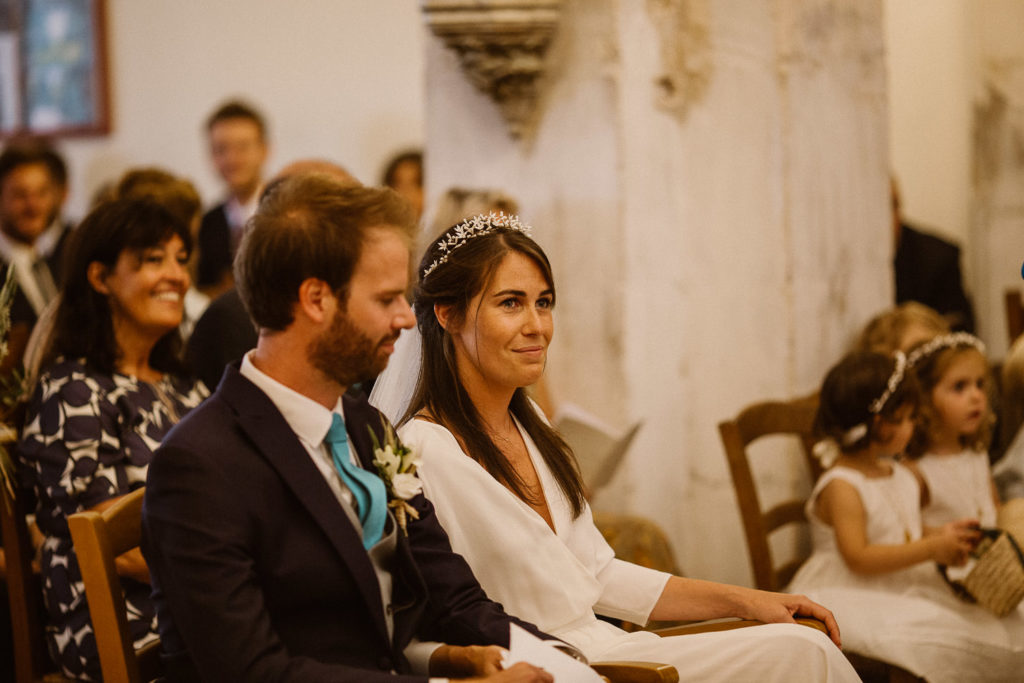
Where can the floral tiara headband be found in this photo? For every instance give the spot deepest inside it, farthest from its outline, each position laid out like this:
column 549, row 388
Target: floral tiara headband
column 894, row 382
column 944, row 341
column 826, row 450
column 477, row 226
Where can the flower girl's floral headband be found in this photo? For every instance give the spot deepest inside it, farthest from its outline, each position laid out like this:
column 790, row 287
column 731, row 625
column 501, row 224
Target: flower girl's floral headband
column 827, row 450
column 944, row 341
column 857, row 432
column 477, row 226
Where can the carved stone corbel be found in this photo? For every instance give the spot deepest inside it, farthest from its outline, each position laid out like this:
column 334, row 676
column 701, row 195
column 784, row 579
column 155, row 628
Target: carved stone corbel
column 501, row 46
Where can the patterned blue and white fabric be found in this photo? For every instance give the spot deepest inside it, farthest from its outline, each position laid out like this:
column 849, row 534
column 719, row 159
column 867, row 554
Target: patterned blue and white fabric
column 89, row 437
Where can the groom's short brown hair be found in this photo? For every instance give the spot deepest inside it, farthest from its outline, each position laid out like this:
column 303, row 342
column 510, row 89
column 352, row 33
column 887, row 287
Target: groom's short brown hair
column 309, row 226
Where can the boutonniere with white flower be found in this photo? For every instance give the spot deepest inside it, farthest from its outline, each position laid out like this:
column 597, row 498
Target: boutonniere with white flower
column 396, row 465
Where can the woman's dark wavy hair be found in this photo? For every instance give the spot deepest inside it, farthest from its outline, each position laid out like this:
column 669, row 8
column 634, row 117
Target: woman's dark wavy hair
column 468, row 271
column 84, row 328
column 850, row 388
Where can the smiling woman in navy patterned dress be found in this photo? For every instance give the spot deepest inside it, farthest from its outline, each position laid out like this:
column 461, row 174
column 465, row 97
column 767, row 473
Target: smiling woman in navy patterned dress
column 111, row 388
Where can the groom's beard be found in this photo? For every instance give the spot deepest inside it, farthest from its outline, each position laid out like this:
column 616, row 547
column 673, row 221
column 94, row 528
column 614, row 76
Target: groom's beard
column 347, row 355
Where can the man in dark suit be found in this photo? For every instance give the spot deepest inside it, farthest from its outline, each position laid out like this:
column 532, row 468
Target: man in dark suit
column 265, row 562
column 927, row 270
column 237, row 135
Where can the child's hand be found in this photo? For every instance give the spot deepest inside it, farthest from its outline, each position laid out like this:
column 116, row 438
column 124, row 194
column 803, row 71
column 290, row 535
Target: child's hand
column 953, row 541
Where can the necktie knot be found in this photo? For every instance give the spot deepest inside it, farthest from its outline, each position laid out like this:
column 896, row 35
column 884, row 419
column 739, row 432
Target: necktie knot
column 336, row 434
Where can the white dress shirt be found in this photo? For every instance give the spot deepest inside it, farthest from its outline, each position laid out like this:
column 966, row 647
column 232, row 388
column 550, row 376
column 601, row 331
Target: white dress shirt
column 37, row 285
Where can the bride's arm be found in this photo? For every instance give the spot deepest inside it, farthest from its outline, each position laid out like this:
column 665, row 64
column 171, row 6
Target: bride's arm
column 694, row 599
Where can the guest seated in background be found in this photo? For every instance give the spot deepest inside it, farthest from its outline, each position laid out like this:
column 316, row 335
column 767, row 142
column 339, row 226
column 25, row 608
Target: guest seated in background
column 901, row 328
column 404, row 175
column 33, row 187
column 225, row 332
column 273, row 551
column 178, row 196
column 112, row 386
column 927, row 270
column 507, row 490
column 237, row 135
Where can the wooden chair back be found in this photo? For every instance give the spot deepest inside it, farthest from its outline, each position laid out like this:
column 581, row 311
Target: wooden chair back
column 754, row 422
column 1014, row 313
column 24, row 592
column 99, row 537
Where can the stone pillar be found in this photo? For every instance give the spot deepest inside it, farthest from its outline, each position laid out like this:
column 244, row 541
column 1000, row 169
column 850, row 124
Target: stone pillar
column 997, row 226
column 710, row 180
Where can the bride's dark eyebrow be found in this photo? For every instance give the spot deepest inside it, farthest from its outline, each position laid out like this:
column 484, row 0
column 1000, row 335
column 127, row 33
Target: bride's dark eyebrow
column 518, row 292
column 509, row 292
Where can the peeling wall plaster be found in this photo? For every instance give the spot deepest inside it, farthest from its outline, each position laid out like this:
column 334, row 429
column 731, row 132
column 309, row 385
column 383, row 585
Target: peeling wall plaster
column 705, row 258
column 997, row 226
column 684, row 38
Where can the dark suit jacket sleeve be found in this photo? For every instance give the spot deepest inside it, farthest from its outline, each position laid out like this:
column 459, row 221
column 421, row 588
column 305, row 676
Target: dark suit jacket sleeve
column 199, row 549
column 222, row 335
column 214, row 246
column 949, row 289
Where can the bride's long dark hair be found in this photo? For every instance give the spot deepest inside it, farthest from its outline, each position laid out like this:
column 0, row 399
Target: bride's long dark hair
column 467, row 271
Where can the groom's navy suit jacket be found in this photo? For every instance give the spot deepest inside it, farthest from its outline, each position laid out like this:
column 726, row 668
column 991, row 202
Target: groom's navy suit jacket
column 258, row 573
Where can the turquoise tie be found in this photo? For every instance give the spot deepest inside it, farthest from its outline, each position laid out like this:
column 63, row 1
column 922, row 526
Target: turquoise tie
column 367, row 488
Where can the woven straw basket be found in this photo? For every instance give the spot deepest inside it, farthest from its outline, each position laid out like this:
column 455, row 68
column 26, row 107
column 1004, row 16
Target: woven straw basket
column 997, row 580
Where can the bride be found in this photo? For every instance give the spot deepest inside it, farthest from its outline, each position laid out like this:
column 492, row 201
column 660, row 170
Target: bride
column 507, row 490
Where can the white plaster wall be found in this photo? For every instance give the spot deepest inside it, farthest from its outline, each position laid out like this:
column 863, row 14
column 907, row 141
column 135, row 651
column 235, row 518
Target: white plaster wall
column 931, row 89
column 341, row 79
column 705, row 262
column 773, row 233
column 997, row 230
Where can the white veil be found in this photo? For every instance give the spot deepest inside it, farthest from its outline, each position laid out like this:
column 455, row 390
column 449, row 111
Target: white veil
column 392, row 392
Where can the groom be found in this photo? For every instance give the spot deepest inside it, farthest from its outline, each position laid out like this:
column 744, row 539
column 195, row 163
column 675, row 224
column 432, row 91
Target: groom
column 265, row 561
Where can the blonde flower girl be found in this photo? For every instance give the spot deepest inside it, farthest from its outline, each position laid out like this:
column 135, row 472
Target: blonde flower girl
column 871, row 563
column 949, row 446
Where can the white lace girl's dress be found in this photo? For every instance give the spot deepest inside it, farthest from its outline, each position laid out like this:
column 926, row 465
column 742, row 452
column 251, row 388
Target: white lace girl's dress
column 908, row 617
column 959, row 487
column 557, row 580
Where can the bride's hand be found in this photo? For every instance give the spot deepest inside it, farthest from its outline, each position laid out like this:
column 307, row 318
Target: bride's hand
column 783, row 607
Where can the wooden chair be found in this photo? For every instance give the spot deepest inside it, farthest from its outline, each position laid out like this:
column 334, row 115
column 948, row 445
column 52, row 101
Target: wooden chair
column 793, row 418
column 31, row 659
column 99, row 537
column 760, row 420
column 1014, row 313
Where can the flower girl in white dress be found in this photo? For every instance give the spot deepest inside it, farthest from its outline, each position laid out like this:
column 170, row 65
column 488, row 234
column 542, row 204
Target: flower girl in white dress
column 871, row 562
column 949, row 446
column 506, row 488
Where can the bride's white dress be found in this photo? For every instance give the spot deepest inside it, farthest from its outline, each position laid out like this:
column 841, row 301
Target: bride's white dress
column 558, row 580
column 908, row 617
